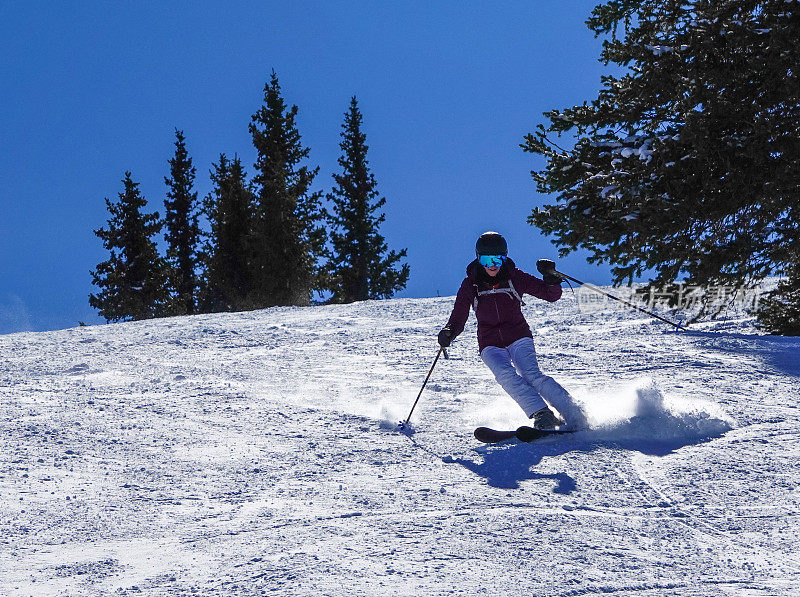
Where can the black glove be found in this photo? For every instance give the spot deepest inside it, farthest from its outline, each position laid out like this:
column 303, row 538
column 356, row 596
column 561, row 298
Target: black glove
column 547, row 268
column 445, row 337
column 552, row 280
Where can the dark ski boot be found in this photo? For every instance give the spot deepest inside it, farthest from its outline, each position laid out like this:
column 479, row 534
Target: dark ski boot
column 545, row 419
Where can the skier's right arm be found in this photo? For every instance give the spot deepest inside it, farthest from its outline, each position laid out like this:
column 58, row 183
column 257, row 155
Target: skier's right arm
column 458, row 318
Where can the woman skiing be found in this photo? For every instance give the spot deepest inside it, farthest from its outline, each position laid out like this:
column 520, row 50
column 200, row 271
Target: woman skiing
column 493, row 288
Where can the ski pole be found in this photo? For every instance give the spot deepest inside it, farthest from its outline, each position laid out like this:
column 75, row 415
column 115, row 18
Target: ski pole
column 677, row 326
column 402, row 424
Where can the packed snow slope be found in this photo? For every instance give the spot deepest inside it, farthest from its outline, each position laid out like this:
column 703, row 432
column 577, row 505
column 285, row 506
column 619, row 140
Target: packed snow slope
column 257, row 453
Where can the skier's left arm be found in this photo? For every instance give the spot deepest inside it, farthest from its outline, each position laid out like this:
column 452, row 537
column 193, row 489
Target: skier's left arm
column 549, row 290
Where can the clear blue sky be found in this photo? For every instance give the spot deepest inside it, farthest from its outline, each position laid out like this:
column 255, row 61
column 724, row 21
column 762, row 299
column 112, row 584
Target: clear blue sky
column 89, row 90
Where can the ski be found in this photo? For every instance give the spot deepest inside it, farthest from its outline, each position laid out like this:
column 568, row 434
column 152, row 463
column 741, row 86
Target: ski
column 523, row 434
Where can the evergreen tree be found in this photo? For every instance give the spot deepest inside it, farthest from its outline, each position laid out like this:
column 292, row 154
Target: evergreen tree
column 133, row 280
column 688, row 162
column 780, row 311
column 359, row 267
column 228, row 209
column 287, row 238
column 182, row 230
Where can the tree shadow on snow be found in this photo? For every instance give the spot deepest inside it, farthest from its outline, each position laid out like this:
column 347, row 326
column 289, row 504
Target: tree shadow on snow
column 777, row 352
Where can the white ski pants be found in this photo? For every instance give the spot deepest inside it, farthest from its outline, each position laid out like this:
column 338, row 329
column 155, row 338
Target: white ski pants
column 516, row 369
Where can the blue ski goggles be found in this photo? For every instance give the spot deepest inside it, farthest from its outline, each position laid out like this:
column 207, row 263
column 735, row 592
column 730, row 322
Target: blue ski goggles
column 492, row 260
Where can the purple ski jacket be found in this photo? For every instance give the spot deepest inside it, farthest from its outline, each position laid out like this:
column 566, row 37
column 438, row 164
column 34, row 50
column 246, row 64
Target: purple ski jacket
column 498, row 310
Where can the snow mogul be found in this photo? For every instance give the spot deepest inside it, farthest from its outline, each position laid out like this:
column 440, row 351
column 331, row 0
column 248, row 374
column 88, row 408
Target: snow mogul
column 493, row 288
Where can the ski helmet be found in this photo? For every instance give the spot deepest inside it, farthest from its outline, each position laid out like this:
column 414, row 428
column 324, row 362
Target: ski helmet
column 491, row 243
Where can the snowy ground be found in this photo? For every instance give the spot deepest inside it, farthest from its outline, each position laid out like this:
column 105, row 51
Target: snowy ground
column 246, row 454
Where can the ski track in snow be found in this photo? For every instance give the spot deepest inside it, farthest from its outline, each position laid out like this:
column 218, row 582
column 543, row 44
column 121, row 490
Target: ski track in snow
column 257, row 453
